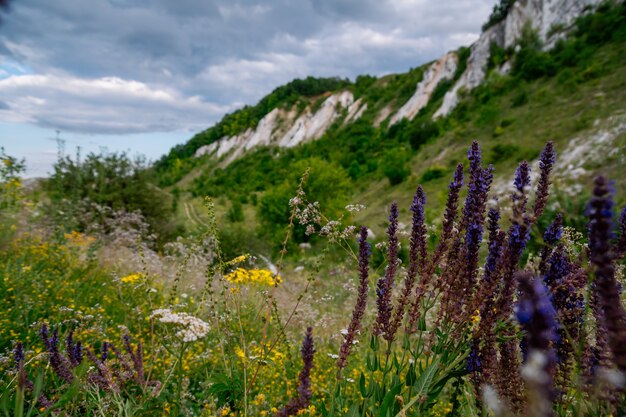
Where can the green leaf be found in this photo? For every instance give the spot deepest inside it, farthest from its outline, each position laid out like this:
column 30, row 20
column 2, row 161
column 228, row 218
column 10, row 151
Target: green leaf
column 387, row 406
column 353, row 411
column 411, row 376
column 422, row 385
column 362, row 388
column 421, row 324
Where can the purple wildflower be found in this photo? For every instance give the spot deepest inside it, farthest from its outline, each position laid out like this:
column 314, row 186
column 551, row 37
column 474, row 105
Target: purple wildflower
column 59, row 363
column 464, row 266
column 447, row 232
column 18, row 353
column 554, row 231
column 537, row 317
column 546, row 163
column 485, row 297
column 417, row 259
column 602, row 258
column 385, row 283
column 620, row 245
column 359, row 308
column 521, row 182
column 551, row 236
column 137, row 358
column 101, row 376
column 74, row 350
column 304, row 386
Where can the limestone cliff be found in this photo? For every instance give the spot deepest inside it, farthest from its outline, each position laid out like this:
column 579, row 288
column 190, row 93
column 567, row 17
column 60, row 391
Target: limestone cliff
column 542, row 15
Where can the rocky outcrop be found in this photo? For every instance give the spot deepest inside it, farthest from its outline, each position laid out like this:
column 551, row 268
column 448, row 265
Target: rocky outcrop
column 312, row 126
column 355, row 111
column 542, row 15
column 285, row 128
column 442, row 69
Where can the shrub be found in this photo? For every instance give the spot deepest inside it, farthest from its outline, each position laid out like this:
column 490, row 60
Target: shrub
column 433, row 173
column 394, row 165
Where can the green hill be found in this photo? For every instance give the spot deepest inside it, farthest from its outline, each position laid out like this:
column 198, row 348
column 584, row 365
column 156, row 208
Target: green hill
column 572, row 94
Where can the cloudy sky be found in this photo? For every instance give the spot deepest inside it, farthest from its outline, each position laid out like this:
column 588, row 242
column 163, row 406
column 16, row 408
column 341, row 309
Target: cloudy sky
column 143, row 75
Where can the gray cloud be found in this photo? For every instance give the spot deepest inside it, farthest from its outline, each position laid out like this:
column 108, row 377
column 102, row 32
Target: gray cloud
column 207, row 57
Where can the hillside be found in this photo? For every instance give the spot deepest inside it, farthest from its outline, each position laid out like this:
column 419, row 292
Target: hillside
column 534, row 75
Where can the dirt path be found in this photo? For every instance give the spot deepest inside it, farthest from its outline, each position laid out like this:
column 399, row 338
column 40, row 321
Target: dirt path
column 193, row 216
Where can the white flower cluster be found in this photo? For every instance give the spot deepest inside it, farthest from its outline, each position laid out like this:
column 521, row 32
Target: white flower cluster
column 193, row 328
column 352, row 208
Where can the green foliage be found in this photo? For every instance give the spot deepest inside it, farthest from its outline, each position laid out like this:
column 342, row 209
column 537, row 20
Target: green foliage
column 421, row 132
column 110, row 180
column 242, row 119
column 328, row 184
column 10, row 182
column 433, row 173
column 498, row 14
column 235, row 212
column 394, row 165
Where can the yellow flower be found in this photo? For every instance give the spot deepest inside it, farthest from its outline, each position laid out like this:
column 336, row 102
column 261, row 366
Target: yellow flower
column 239, row 259
column 260, row 277
column 132, row 278
column 225, row 411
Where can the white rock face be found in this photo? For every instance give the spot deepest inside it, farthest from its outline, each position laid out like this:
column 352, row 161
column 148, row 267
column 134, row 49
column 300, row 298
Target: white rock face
column 542, row 15
column 442, row 69
column 355, row 111
column 382, row 115
column 312, row 126
column 281, row 127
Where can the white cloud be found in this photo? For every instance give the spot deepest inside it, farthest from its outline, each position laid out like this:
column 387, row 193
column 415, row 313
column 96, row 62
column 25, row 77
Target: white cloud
column 103, row 105
column 182, row 64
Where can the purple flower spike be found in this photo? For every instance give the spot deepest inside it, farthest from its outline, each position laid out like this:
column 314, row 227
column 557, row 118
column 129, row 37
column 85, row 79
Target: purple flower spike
column 18, row 353
column 59, row 363
column 546, row 163
column 607, row 291
column 385, row 283
column 417, row 258
column 537, row 318
column 304, row 387
column 620, row 246
column 361, row 303
column 521, row 183
column 522, row 177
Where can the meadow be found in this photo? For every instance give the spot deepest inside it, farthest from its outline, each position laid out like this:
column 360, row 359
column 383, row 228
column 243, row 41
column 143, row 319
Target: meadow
column 494, row 312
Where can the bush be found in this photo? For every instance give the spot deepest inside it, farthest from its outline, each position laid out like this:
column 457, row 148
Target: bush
column 394, row 165
column 109, row 180
column 502, row 152
column 433, row 173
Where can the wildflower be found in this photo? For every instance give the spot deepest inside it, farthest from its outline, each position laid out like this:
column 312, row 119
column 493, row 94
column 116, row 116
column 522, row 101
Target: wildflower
column 620, row 245
column 193, row 328
column 59, row 363
column 551, row 236
column 385, row 283
column 606, row 288
column 74, row 350
column 355, row 208
column 546, row 163
column 261, row 277
column 359, row 308
column 417, row 258
column 239, row 259
column 304, row 387
column 447, row 232
column 132, row 278
column 537, row 317
column 136, row 357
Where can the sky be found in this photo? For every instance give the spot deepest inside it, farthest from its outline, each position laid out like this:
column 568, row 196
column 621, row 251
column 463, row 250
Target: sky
column 144, row 75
